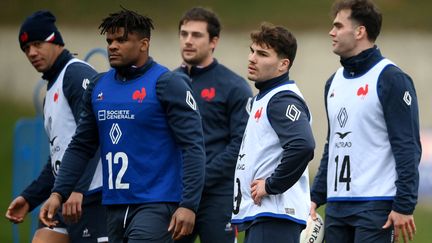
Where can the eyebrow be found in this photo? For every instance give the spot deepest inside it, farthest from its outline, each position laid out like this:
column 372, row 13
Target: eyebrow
column 261, row 52
column 193, row 32
column 337, row 23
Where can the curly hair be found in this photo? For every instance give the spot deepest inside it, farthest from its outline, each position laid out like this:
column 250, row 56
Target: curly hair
column 129, row 20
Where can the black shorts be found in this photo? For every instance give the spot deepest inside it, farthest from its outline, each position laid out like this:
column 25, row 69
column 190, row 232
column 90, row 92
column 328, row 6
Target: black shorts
column 92, row 226
column 140, row 223
column 268, row 229
column 213, row 221
column 362, row 227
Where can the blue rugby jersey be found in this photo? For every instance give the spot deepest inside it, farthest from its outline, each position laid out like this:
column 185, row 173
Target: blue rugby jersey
column 175, row 99
column 142, row 162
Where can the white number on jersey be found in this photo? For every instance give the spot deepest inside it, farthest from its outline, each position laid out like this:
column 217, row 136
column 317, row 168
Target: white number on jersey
column 117, row 157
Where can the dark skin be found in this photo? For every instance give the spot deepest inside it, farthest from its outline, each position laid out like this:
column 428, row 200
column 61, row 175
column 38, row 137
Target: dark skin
column 125, row 52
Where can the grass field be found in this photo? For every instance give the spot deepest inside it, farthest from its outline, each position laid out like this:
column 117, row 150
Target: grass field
column 12, row 112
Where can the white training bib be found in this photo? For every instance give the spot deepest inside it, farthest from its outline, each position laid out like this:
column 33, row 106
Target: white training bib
column 361, row 165
column 60, row 125
column 260, row 153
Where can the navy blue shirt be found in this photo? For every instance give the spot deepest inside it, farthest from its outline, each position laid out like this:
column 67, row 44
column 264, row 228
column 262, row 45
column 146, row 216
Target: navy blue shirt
column 222, row 96
column 40, row 189
column 184, row 123
column 403, row 132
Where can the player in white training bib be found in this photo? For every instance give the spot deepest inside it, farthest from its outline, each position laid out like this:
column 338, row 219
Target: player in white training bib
column 271, row 185
column 368, row 175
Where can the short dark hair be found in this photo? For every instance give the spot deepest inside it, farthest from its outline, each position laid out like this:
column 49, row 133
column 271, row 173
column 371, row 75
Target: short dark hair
column 205, row 15
column 129, row 20
column 277, row 37
column 364, row 12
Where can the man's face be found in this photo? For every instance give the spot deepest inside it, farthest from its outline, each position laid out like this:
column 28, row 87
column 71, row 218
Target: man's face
column 126, row 51
column 41, row 54
column 343, row 34
column 195, row 45
column 264, row 63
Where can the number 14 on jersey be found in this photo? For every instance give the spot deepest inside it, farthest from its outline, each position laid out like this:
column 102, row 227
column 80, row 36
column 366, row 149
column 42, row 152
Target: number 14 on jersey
column 344, row 174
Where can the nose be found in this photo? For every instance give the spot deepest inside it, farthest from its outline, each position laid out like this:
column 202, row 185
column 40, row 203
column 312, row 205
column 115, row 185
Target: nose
column 188, row 39
column 252, row 58
column 332, row 32
column 112, row 46
column 31, row 51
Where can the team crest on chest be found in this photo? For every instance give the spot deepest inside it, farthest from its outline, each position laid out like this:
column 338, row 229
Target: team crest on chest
column 208, row 94
column 56, row 96
column 139, row 95
column 258, row 114
column 363, row 91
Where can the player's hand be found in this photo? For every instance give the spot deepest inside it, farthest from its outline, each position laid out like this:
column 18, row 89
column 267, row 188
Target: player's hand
column 182, row 223
column 72, row 210
column 258, row 191
column 17, row 210
column 313, row 210
column 49, row 209
column 403, row 224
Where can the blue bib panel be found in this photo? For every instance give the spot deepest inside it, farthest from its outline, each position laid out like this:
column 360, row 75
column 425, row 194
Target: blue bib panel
column 141, row 161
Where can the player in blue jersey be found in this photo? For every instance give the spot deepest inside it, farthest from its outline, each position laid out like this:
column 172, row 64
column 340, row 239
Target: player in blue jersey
column 221, row 96
column 368, row 174
column 271, row 187
column 146, row 121
column 67, row 78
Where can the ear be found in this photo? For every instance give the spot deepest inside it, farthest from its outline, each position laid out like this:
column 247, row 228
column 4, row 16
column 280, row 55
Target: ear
column 145, row 43
column 213, row 42
column 360, row 32
column 284, row 65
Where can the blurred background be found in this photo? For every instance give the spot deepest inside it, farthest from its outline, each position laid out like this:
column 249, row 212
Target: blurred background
column 406, row 39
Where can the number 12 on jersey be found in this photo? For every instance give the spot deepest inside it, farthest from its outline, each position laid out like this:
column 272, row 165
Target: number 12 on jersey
column 344, row 174
column 124, row 165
